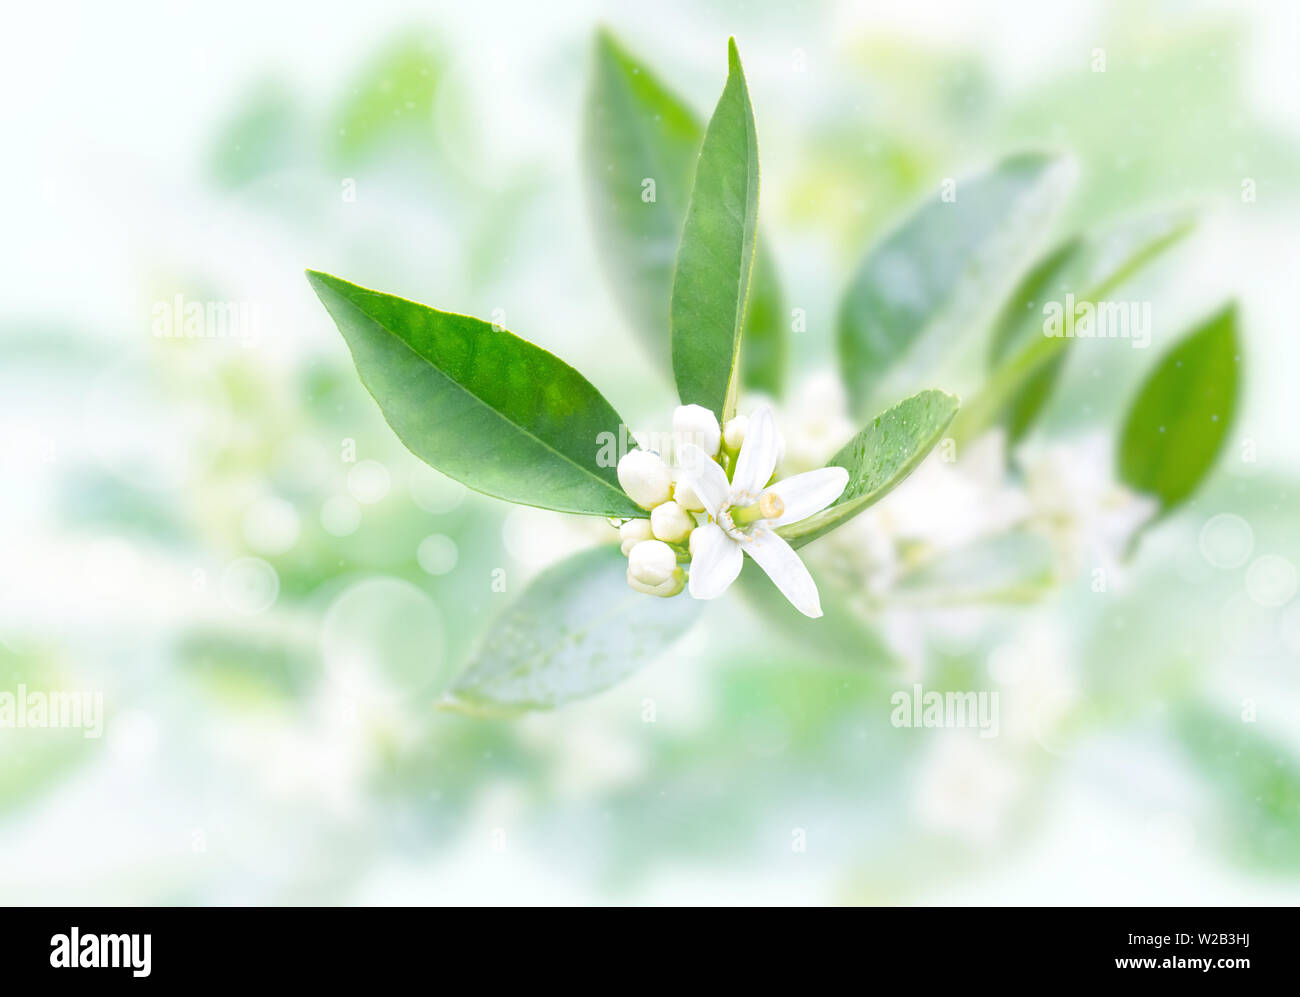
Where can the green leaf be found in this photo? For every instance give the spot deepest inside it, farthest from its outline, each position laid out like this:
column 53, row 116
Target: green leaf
column 576, row 630
column 878, row 458
column 711, row 281
column 914, row 293
column 1179, row 421
column 483, row 406
column 637, row 130
column 1089, row 269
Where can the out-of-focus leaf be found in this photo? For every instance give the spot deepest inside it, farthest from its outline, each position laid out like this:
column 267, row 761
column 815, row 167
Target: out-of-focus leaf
column 1022, row 312
column 1179, row 421
column 263, row 136
column 1257, row 781
column 711, row 280
column 1012, row 567
column 1089, row 269
column 765, row 341
column 878, row 458
column 915, row 292
column 483, row 406
column 576, row 630
column 392, row 97
column 636, row 130
column 37, row 760
column 842, row 636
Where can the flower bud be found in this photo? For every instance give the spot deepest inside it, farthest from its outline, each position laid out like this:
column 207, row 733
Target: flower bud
column 685, row 496
column 633, row 532
column 691, row 543
column 696, row 424
column 645, row 478
column 734, row 435
column 664, row 590
column 671, row 523
column 651, row 562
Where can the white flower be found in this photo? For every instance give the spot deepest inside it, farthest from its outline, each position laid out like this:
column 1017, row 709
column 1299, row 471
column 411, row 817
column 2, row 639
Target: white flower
column 744, row 513
column 696, row 424
column 652, row 569
column 1078, row 504
column 633, row 532
column 645, row 478
column 670, row 523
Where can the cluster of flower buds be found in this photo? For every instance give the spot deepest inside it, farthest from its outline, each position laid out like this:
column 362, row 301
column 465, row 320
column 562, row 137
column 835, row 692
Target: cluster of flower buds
column 715, row 499
column 657, row 547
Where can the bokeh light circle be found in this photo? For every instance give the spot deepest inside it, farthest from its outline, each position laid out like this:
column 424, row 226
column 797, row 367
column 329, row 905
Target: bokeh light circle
column 383, row 640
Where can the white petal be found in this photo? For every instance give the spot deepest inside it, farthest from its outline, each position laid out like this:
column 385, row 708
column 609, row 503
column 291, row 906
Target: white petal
column 715, row 563
column 783, row 566
column 809, row 492
column 705, row 476
column 758, row 455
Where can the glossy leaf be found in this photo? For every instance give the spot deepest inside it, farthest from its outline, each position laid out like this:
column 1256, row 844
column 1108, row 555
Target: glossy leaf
column 1089, row 269
column 711, row 280
column 637, row 132
column 1180, row 419
column 879, row 457
column 576, row 630
column 915, row 292
column 481, row 405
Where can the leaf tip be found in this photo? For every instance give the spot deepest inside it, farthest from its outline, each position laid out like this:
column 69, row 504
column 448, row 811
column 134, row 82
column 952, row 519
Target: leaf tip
column 318, row 279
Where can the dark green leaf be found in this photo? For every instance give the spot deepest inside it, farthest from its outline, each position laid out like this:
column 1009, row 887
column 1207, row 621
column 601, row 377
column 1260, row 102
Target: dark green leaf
column 878, row 458
column 576, row 630
column 481, row 405
column 711, row 280
column 914, row 293
column 636, row 130
column 1180, row 418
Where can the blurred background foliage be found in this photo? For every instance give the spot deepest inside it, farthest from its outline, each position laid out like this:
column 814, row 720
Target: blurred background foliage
column 225, row 538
